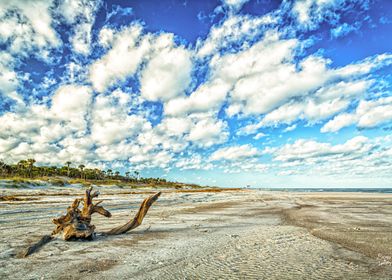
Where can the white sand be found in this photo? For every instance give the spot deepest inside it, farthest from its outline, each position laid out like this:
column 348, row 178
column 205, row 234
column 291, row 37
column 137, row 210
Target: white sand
column 226, row 235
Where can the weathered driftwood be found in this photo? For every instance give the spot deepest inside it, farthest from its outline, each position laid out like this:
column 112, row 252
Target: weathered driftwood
column 137, row 220
column 76, row 223
column 35, row 247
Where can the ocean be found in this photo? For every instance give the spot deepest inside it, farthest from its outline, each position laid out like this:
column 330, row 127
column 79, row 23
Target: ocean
column 365, row 190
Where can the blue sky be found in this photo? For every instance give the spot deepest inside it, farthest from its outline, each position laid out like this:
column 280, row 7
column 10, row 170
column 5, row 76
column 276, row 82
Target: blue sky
column 229, row 93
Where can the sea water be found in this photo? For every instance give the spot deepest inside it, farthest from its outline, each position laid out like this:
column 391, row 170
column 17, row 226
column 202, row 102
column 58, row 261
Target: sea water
column 366, row 190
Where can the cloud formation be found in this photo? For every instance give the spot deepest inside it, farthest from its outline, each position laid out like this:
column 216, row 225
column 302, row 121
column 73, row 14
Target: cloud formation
column 256, row 94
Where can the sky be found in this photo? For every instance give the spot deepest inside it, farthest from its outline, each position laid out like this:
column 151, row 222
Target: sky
column 227, row 93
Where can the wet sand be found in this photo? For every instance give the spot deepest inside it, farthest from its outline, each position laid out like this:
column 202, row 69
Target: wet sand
column 204, row 235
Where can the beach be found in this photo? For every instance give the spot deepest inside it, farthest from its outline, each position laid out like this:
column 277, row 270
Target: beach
column 203, row 234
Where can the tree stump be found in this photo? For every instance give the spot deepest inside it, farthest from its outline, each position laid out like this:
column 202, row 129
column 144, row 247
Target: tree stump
column 76, row 223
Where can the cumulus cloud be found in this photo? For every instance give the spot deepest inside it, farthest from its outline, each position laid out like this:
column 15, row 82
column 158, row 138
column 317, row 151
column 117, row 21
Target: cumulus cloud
column 27, row 26
column 207, row 132
column 303, row 149
column 127, row 51
column 357, row 156
column 343, row 29
column 338, row 122
column 106, row 37
column 70, row 100
column 234, row 4
column 252, row 166
column 8, row 78
column 193, row 161
column 320, row 95
column 168, row 70
column 111, row 122
column 167, row 74
column 290, row 128
column 148, row 100
column 208, row 97
column 234, row 29
column 235, row 153
column 80, row 14
column 368, row 114
column 310, row 13
column 259, row 136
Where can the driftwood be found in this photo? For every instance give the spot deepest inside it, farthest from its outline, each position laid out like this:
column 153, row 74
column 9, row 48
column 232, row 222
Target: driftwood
column 76, row 224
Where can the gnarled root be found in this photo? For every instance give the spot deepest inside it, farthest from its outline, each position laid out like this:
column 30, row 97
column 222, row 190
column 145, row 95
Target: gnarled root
column 35, row 247
column 75, row 224
column 138, row 219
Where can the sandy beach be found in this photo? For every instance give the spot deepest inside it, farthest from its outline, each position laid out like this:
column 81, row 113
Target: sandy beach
column 238, row 234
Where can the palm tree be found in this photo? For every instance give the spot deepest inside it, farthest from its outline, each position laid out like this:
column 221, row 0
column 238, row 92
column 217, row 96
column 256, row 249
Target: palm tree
column 109, row 172
column 21, row 167
column 116, row 174
column 2, row 167
column 81, row 167
column 97, row 173
column 127, row 175
column 136, row 175
column 30, row 165
column 68, row 163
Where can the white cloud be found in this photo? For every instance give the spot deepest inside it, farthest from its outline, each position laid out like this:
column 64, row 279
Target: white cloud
column 374, row 112
column 167, row 74
column 80, row 14
column 234, row 29
column 77, row 150
column 338, row 122
column 193, row 161
column 290, row 128
column 81, row 40
column 126, row 53
column 302, row 10
column 259, row 135
column 343, row 29
column 262, row 92
column 8, row 78
column 70, row 103
column 235, row 5
column 111, row 122
column 358, row 156
column 106, row 37
column 207, row 132
column 160, row 159
column 206, row 98
column 368, row 114
column 258, row 71
column 303, row 149
column 175, row 126
column 235, row 153
column 8, row 144
column 262, row 77
column 309, row 13
column 39, row 131
column 365, row 66
column 249, row 165
column 27, row 26
column 318, row 98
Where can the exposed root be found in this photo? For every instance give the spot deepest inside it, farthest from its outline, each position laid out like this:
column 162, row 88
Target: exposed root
column 138, row 219
column 35, row 247
column 76, row 223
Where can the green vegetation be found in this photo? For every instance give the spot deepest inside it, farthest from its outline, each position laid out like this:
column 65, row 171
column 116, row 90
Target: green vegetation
column 25, row 171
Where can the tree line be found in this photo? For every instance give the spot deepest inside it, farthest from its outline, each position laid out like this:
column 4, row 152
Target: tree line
column 27, row 169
